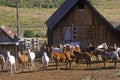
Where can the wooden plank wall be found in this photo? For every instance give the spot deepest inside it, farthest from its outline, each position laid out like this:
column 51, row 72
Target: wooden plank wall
column 89, row 26
column 11, row 48
column 4, row 37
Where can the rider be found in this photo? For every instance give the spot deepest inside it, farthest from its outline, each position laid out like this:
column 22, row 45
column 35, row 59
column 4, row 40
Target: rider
column 90, row 48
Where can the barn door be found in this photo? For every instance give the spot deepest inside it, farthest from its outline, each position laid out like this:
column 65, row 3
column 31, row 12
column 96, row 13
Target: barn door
column 85, row 35
column 70, row 34
column 67, row 34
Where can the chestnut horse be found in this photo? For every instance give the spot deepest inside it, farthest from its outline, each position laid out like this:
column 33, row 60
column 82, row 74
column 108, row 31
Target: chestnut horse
column 65, row 56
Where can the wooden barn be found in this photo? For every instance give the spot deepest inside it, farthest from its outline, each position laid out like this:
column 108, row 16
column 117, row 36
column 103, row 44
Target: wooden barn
column 8, row 41
column 78, row 20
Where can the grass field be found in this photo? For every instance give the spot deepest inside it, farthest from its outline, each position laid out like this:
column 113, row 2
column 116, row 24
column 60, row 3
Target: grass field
column 34, row 18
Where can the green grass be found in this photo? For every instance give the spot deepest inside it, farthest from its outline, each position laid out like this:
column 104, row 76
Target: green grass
column 110, row 9
column 34, row 18
column 29, row 18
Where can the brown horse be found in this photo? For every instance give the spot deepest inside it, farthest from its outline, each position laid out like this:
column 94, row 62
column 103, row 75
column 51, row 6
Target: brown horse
column 2, row 61
column 84, row 55
column 22, row 60
column 60, row 57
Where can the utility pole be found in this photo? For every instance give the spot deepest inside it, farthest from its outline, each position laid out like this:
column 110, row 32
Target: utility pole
column 17, row 18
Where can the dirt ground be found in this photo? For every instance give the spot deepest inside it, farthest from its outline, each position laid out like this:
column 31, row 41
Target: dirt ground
column 78, row 72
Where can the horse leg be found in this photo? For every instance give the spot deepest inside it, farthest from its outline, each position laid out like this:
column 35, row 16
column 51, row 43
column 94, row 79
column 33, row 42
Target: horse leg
column 70, row 65
column 2, row 68
column 89, row 62
column 33, row 66
column 115, row 63
column 97, row 58
column 104, row 62
column 15, row 68
column 26, row 64
column 115, row 66
column 56, row 62
column 46, row 68
column 11, row 69
column 66, row 64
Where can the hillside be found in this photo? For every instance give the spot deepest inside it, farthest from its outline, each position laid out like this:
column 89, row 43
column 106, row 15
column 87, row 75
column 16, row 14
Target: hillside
column 110, row 9
column 34, row 18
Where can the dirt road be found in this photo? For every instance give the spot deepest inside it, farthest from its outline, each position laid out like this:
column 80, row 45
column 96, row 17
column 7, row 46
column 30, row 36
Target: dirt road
column 97, row 72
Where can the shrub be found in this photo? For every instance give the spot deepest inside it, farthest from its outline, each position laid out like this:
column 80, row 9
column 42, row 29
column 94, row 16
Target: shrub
column 28, row 33
column 41, row 34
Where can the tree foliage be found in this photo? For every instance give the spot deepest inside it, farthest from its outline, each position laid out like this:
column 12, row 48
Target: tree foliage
column 29, row 34
column 32, row 3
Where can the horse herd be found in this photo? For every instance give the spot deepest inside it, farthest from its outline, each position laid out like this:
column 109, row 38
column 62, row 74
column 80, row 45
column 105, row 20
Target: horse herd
column 65, row 53
column 23, row 60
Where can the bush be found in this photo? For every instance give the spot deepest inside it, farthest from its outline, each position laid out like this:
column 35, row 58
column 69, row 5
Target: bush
column 41, row 34
column 32, row 3
column 28, row 33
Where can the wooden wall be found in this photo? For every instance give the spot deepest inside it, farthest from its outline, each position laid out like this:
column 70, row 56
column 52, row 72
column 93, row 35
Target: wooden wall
column 90, row 27
column 4, row 37
column 12, row 48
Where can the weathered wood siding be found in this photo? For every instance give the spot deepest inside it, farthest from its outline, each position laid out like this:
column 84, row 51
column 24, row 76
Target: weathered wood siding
column 4, row 37
column 11, row 48
column 90, row 27
column 6, row 44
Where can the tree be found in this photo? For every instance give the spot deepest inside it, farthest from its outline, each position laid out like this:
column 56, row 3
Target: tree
column 28, row 33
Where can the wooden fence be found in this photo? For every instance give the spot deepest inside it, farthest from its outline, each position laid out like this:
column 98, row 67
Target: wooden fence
column 33, row 43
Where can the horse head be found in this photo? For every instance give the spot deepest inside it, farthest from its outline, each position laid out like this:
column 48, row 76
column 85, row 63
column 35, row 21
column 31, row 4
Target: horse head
column 8, row 53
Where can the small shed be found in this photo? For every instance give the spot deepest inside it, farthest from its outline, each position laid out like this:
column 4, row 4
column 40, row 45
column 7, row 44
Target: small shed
column 8, row 41
column 78, row 20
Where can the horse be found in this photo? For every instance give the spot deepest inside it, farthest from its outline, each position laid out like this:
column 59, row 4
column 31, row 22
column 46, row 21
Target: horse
column 31, row 58
column 117, row 49
column 10, row 61
column 110, row 55
column 45, row 61
column 56, row 49
column 83, row 55
column 2, row 62
column 107, row 53
column 65, row 56
column 102, row 48
column 22, row 60
column 59, row 49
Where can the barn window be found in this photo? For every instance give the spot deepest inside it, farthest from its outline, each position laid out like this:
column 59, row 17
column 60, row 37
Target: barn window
column 74, row 33
column 74, row 37
column 80, row 5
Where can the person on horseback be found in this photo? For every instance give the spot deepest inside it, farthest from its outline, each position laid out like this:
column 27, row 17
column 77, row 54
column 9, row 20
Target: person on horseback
column 90, row 48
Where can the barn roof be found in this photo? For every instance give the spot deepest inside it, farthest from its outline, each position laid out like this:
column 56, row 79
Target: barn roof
column 9, row 33
column 64, row 8
column 60, row 12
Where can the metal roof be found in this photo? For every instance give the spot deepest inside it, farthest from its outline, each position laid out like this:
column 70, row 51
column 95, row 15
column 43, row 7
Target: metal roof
column 9, row 33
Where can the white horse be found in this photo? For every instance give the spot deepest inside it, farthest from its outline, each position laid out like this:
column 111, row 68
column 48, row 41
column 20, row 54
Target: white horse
column 31, row 58
column 72, row 44
column 10, row 61
column 45, row 61
column 2, row 61
column 107, row 53
column 104, row 45
column 56, row 49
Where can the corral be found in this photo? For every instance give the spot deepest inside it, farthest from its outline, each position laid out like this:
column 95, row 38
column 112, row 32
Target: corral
column 97, row 72
column 81, row 22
